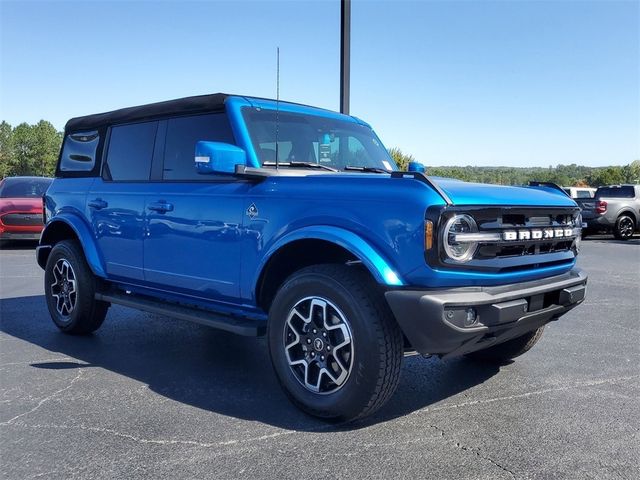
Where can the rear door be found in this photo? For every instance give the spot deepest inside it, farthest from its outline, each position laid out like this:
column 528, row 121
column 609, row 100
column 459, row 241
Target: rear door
column 116, row 201
column 194, row 221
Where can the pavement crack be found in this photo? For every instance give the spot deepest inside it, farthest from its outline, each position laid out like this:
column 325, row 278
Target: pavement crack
column 153, row 441
column 517, row 396
column 45, row 399
column 474, row 451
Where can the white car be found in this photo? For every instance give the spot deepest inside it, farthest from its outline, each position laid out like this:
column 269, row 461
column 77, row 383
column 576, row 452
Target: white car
column 580, row 192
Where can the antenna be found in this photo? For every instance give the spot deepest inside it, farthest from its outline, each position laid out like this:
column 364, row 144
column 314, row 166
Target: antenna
column 277, row 100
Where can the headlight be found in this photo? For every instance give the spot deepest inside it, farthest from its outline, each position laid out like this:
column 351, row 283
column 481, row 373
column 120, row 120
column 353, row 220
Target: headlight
column 456, row 246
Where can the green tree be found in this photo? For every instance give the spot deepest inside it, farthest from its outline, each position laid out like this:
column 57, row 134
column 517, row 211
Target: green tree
column 23, row 151
column 47, row 147
column 632, row 172
column 607, row 176
column 29, row 149
column 6, row 148
column 401, row 159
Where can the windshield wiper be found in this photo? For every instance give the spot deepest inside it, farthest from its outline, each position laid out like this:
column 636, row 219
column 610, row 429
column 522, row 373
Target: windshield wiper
column 300, row 165
column 366, row 169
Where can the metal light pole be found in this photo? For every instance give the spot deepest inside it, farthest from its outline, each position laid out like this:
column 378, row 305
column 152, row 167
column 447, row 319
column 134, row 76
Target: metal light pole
column 345, row 54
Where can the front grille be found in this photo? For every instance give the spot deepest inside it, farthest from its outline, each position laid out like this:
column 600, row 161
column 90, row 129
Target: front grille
column 515, row 237
column 22, row 219
column 498, row 221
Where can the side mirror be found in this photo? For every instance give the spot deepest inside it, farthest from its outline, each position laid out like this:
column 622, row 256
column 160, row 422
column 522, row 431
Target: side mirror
column 217, row 157
column 415, row 167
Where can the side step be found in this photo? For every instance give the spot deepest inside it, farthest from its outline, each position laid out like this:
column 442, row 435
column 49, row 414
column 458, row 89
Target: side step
column 237, row 325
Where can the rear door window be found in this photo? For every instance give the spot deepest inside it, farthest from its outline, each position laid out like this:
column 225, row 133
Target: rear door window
column 182, row 135
column 130, row 152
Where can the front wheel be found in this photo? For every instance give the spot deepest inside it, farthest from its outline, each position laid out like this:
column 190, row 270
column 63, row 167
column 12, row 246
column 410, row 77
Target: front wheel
column 508, row 350
column 624, row 227
column 334, row 344
column 70, row 288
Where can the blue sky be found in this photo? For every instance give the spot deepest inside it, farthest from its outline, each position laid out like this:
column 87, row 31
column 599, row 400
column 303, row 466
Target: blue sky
column 515, row 83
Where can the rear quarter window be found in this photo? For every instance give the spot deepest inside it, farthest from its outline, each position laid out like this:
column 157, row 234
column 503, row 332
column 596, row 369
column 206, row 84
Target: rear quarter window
column 79, row 152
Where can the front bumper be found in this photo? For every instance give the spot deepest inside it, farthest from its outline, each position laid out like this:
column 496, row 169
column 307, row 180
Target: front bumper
column 434, row 320
column 6, row 235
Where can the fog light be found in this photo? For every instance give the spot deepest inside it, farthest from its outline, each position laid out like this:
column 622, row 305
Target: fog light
column 471, row 319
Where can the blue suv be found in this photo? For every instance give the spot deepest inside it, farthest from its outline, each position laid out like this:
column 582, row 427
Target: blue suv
column 261, row 217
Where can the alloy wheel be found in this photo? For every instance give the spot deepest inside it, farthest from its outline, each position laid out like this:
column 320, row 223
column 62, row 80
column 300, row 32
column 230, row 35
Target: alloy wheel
column 318, row 345
column 63, row 288
column 625, row 227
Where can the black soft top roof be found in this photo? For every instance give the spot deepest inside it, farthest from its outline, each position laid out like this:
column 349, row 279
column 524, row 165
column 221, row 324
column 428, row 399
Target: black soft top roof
column 197, row 104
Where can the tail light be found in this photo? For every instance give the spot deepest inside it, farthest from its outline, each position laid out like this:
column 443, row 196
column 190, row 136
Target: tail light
column 601, row 207
column 44, row 211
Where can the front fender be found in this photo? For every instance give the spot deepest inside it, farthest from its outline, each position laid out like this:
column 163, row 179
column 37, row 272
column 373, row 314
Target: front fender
column 55, row 231
column 380, row 268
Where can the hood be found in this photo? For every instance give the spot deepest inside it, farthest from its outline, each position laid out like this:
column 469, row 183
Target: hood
column 27, row 205
column 465, row 193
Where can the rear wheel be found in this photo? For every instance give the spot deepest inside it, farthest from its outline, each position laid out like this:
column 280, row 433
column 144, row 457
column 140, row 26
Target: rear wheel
column 509, row 349
column 334, row 344
column 70, row 288
column 624, row 227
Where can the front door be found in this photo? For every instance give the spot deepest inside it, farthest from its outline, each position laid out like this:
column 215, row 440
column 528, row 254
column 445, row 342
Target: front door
column 192, row 243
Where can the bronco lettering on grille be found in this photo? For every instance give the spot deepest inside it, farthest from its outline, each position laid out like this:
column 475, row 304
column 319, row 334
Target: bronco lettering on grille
column 511, row 235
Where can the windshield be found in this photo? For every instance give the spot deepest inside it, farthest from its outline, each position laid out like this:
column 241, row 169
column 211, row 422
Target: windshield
column 24, row 187
column 319, row 140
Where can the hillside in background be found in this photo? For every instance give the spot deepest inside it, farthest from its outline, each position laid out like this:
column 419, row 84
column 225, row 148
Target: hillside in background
column 565, row 175
column 33, row 150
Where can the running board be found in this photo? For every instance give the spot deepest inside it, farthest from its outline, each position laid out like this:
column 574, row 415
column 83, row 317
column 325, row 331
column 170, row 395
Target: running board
column 237, row 325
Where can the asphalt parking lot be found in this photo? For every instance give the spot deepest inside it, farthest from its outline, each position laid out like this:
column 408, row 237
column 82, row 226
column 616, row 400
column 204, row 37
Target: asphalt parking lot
column 152, row 397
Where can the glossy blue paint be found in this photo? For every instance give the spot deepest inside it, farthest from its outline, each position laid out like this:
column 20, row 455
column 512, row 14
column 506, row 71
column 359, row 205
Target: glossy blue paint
column 116, row 213
column 208, row 241
column 84, row 235
column 217, row 157
column 65, row 203
column 465, row 193
column 379, row 267
column 416, row 167
column 194, row 247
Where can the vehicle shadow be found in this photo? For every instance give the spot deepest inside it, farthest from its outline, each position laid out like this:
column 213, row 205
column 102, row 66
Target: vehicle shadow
column 213, row 370
column 18, row 244
column 635, row 240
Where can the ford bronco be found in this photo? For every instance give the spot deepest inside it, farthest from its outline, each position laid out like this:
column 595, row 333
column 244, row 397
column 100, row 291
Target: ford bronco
column 262, row 217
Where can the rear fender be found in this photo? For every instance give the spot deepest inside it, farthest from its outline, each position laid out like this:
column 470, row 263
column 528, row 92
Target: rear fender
column 56, row 230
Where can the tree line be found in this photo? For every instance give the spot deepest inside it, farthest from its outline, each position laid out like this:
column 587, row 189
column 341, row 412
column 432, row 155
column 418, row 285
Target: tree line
column 566, row 175
column 33, row 150
column 29, row 149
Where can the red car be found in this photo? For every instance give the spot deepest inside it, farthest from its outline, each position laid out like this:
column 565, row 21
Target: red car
column 21, row 207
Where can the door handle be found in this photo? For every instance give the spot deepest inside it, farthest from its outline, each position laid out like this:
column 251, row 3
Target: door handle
column 98, row 204
column 160, row 207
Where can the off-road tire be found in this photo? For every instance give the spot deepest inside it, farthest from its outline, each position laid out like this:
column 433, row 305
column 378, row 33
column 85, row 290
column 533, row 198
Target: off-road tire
column 508, row 350
column 624, row 228
column 87, row 313
column 377, row 342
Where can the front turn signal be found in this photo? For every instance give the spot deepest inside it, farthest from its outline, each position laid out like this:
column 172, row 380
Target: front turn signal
column 428, row 235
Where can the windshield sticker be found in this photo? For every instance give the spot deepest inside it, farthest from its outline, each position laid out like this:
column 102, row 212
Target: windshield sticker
column 387, row 165
column 324, row 153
